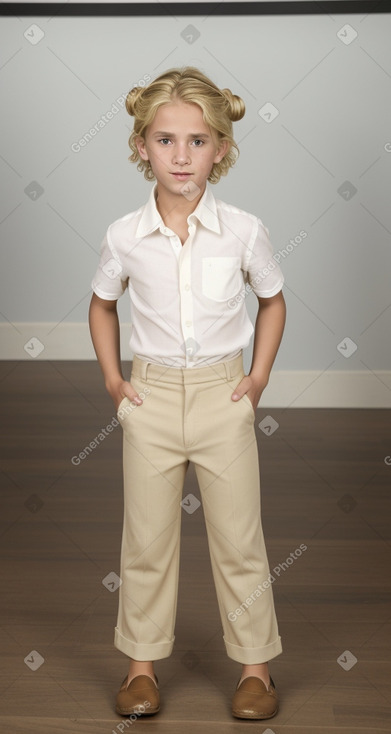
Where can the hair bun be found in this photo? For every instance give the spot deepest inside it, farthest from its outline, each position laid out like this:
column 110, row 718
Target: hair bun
column 237, row 106
column 131, row 99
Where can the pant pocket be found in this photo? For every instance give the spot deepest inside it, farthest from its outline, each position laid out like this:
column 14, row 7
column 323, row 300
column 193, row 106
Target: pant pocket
column 248, row 402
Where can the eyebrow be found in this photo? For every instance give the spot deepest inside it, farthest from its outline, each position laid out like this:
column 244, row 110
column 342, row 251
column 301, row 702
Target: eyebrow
column 165, row 134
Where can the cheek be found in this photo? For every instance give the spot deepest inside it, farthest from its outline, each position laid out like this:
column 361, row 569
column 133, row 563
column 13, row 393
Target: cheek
column 154, row 154
column 206, row 157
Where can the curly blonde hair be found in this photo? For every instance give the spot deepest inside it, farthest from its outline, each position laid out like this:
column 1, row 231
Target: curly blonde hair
column 219, row 106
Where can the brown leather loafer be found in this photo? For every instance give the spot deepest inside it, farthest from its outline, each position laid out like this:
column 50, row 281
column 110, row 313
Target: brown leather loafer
column 252, row 700
column 140, row 697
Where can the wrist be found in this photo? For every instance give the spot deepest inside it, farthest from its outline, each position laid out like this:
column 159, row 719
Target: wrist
column 259, row 379
column 113, row 383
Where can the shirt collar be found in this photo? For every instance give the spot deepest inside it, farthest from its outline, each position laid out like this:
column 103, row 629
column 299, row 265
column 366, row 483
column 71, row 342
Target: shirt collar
column 205, row 212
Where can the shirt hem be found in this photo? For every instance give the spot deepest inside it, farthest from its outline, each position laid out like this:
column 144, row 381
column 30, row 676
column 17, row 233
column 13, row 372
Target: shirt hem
column 272, row 292
column 204, row 363
column 102, row 294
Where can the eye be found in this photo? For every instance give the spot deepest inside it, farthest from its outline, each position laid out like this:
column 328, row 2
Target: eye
column 197, row 140
column 163, row 140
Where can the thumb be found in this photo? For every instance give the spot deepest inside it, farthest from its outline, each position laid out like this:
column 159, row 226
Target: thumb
column 238, row 392
column 131, row 393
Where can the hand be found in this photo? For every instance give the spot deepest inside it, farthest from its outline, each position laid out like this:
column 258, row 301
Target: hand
column 122, row 390
column 248, row 386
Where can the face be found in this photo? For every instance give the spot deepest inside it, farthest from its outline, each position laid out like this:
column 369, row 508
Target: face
column 180, row 147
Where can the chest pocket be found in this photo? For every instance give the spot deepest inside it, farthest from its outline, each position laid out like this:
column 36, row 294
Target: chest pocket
column 221, row 277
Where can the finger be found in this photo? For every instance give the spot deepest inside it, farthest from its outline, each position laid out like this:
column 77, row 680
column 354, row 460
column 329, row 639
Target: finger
column 238, row 392
column 134, row 396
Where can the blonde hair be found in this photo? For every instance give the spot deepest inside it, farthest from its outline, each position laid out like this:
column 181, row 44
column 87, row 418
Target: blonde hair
column 219, row 106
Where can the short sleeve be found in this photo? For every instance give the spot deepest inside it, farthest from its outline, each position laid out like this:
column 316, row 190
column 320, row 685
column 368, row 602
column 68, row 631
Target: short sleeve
column 264, row 273
column 109, row 281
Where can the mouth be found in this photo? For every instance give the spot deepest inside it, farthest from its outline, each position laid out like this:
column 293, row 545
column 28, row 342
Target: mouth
column 181, row 176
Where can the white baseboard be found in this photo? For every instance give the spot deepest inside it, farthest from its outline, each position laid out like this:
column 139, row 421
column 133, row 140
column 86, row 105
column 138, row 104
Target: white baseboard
column 286, row 388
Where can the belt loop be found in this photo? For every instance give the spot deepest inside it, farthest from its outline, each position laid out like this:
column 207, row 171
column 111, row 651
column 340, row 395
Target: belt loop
column 143, row 368
column 234, row 366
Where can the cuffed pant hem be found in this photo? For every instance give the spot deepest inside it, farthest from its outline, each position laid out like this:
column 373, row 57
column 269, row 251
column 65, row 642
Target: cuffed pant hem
column 253, row 655
column 139, row 651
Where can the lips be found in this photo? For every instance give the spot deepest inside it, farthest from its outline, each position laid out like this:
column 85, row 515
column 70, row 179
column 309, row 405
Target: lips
column 181, row 176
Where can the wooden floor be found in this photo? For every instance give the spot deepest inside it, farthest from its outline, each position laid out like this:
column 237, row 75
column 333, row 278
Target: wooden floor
column 324, row 483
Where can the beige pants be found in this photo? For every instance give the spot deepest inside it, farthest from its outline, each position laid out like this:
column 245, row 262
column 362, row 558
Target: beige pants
column 188, row 415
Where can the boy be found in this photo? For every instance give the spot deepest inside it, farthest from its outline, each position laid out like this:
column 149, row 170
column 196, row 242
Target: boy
column 186, row 258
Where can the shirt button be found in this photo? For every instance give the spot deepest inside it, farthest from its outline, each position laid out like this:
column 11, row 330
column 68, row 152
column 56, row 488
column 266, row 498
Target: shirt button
column 188, row 323
column 187, row 287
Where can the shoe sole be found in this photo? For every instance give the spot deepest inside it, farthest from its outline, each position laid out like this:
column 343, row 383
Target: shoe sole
column 256, row 716
column 147, row 712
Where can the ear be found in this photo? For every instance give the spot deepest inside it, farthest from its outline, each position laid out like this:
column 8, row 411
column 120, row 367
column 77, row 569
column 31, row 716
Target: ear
column 222, row 150
column 140, row 145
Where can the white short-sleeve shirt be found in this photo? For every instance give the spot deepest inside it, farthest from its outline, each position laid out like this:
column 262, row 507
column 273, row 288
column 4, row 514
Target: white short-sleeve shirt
column 188, row 302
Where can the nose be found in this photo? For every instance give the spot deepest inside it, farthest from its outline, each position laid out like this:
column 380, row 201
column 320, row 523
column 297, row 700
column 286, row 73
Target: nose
column 181, row 153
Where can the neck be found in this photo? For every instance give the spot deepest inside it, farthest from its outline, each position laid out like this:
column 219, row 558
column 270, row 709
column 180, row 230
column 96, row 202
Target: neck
column 171, row 206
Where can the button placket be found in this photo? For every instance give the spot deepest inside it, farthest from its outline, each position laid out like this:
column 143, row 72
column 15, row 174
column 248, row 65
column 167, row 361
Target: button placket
column 186, row 300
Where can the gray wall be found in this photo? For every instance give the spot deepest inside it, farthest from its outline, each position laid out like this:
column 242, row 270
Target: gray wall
column 333, row 127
